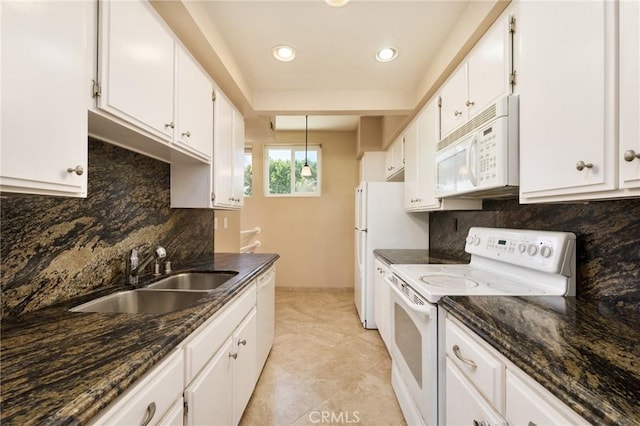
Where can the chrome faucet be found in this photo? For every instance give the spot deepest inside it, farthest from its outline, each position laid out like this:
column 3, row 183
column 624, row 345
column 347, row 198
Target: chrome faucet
column 134, row 266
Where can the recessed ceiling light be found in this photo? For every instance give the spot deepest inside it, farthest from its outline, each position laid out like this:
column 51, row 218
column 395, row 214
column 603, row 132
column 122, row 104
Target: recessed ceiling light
column 387, row 54
column 284, row 53
column 336, row 3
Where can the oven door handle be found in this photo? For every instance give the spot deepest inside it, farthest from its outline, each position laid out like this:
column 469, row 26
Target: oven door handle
column 427, row 310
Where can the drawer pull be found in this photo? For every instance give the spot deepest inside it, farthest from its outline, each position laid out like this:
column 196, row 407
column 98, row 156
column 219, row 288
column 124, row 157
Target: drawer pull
column 234, row 356
column 242, row 342
column 151, row 411
column 480, row 423
column 469, row 362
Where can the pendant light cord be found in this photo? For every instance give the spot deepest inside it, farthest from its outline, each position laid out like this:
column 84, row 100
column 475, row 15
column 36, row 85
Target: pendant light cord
column 306, row 138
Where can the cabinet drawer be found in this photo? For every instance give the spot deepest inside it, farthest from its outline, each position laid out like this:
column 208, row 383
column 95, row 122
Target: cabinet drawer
column 212, row 334
column 465, row 405
column 477, row 363
column 529, row 404
column 154, row 394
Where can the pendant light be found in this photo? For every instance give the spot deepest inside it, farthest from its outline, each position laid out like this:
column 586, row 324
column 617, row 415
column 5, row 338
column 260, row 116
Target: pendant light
column 306, row 170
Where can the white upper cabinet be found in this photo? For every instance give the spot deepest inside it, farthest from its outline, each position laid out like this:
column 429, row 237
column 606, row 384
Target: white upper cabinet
column 46, row 57
column 629, row 158
column 194, row 107
column 482, row 78
column 220, row 184
column 568, row 86
column 394, row 160
column 152, row 96
column 137, row 56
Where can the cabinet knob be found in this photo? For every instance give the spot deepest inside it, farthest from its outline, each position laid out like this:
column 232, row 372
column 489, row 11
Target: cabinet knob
column 631, row 155
column 151, row 411
column 77, row 170
column 457, row 113
column 171, row 125
column 470, row 103
column 581, row 165
column 187, row 134
column 234, row 356
column 479, row 423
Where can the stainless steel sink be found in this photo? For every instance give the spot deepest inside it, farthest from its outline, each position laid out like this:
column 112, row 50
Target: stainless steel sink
column 142, row 302
column 201, row 281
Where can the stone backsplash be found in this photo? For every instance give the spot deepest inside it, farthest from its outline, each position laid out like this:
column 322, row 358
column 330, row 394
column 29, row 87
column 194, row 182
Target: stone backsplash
column 55, row 248
column 608, row 237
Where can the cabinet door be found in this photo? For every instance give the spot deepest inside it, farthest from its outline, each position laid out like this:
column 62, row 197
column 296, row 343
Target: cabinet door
column 488, row 67
column 244, row 366
column 175, row 415
column 137, row 64
column 464, row 404
column 222, row 151
column 530, row 404
column 411, row 167
column 210, row 396
column 427, row 139
column 238, row 160
column 453, row 95
column 382, row 301
column 44, row 96
column 629, row 99
column 194, row 107
column 567, row 92
column 265, row 316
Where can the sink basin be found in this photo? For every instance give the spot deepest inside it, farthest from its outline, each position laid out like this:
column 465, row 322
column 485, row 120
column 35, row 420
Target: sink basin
column 201, row 281
column 142, row 302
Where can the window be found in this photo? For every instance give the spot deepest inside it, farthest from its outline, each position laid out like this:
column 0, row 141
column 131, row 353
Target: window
column 283, row 165
column 248, row 172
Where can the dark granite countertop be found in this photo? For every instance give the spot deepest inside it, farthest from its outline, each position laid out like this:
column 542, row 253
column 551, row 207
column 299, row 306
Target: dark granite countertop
column 62, row 367
column 586, row 353
column 414, row 256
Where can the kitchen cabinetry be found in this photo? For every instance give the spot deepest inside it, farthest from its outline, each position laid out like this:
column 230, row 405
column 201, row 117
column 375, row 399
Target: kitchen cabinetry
column 483, row 386
column 219, row 185
column 152, row 96
column 481, row 79
column 266, row 301
column 629, row 160
column 394, row 160
column 194, row 107
column 244, row 365
column 571, row 136
column 419, row 170
column 46, row 51
column 382, row 302
column 153, row 396
column 137, row 54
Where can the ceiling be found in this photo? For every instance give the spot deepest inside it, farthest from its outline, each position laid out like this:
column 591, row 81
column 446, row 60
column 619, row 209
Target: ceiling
column 335, row 73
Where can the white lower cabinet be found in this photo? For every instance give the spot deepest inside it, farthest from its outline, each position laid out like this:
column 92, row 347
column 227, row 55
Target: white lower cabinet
column 382, row 301
column 154, row 395
column 484, row 388
column 175, row 415
column 244, row 365
column 465, row 405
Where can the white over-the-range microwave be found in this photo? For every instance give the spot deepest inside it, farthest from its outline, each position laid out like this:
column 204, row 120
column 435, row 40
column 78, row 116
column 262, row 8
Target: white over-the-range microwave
column 480, row 159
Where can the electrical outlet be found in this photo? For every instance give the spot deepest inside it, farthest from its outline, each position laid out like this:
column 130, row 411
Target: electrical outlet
column 225, row 224
column 215, row 223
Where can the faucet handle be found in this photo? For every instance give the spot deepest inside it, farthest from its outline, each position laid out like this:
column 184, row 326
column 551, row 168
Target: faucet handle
column 161, row 253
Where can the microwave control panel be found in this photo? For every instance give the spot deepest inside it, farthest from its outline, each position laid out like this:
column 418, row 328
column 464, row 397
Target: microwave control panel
column 491, row 159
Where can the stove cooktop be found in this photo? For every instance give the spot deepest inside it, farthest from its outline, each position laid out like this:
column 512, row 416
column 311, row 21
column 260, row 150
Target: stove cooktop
column 504, row 262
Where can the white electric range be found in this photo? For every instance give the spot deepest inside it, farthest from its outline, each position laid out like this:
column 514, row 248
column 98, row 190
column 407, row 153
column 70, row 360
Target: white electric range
column 504, row 262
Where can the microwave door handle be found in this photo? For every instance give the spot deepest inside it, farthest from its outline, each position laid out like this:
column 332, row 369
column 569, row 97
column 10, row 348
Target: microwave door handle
column 426, row 310
column 473, row 147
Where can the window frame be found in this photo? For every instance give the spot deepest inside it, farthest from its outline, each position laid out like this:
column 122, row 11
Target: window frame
column 293, row 147
column 248, row 149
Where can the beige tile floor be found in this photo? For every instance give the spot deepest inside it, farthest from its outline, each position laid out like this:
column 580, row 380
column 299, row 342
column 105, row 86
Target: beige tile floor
column 324, row 368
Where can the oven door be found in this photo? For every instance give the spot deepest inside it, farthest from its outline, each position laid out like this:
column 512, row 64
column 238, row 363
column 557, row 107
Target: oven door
column 414, row 327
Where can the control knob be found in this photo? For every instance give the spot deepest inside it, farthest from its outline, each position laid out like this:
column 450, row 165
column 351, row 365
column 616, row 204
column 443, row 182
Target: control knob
column 522, row 247
column 532, row 249
column 470, row 240
column 476, row 240
column 546, row 251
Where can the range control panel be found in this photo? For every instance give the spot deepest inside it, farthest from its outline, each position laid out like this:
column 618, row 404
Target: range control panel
column 546, row 251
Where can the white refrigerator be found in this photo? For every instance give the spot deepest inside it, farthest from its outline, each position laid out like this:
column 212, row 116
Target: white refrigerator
column 381, row 223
